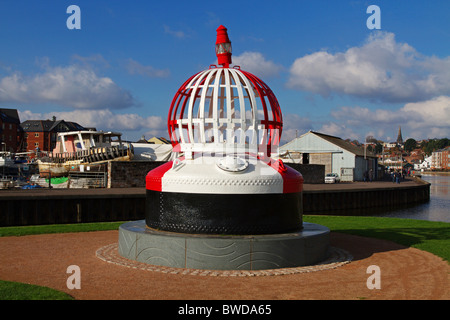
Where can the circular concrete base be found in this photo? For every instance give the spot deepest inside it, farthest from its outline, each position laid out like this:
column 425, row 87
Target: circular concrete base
column 216, row 252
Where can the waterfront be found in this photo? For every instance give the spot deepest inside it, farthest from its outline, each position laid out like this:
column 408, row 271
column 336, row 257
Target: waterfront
column 437, row 209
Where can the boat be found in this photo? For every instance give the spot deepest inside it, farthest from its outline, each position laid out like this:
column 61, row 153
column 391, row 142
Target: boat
column 83, row 150
column 152, row 152
column 6, row 159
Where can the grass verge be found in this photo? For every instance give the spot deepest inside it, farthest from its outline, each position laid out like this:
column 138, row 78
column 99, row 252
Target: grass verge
column 20, row 291
column 58, row 228
column 431, row 236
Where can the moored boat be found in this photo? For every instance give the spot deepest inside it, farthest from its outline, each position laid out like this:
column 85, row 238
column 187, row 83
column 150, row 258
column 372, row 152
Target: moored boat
column 83, row 150
column 6, row 159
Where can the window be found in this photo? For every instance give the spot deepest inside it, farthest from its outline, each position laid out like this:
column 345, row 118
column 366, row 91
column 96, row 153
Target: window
column 36, row 144
column 36, row 134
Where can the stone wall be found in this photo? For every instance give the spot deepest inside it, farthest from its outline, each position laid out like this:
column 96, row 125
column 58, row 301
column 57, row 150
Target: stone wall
column 312, row 173
column 125, row 174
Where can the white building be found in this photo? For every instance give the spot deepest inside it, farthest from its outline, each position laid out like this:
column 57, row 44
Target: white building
column 425, row 165
column 348, row 161
column 389, row 145
column 392, row 163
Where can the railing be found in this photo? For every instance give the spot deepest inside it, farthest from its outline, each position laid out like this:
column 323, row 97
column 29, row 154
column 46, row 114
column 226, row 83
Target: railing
column 91, row 155
column 6, row 182
column 88, row 179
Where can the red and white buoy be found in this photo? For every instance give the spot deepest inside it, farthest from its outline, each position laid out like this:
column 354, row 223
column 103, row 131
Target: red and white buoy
column 224, row 123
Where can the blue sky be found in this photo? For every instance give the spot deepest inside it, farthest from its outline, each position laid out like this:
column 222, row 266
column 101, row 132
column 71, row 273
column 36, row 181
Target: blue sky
column 329, row 72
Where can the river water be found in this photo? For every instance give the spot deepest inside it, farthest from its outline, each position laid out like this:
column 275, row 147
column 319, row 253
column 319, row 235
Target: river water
column 437, row 209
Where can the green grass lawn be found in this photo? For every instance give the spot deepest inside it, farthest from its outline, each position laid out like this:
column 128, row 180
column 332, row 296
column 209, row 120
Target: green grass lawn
column 21, row 291
column 430, row 236
column 58, row 228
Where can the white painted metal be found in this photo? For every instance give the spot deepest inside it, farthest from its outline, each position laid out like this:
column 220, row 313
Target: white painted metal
column 207, row 175
column 222, row 114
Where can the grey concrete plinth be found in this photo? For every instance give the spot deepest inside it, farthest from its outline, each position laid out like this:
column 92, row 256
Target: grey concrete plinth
column 215, row 252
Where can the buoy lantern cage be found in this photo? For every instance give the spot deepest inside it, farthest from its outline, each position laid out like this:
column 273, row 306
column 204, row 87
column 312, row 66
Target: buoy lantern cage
column 224, row 109
column 225, row 123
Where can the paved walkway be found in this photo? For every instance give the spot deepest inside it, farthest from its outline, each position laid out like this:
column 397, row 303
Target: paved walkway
column 405, row 273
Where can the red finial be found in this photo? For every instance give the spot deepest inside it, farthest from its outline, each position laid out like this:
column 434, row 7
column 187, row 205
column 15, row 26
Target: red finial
column 223, row 47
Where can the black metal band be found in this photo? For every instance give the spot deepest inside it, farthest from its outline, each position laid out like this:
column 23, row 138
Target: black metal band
column 237, row 214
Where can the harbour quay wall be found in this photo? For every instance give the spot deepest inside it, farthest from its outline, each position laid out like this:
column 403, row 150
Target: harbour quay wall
column 361, row 197
column 65, row 206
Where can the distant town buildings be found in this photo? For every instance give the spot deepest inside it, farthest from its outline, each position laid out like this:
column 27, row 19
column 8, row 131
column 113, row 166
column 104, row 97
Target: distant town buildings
column 389, row 145
column 440, row 159
column 424, row 165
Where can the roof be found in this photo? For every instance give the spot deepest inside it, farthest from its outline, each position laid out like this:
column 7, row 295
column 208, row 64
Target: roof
column 50, row 125
column 443, row 149
column 157, row 140
column 359, row 151
column 9, row 115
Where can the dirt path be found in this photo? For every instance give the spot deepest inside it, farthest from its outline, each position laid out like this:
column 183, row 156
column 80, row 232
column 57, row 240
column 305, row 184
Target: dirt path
column 405, row 273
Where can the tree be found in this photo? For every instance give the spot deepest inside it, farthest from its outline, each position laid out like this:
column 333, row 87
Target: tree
column 435, row 144
column 410, row 145
column 378, row 148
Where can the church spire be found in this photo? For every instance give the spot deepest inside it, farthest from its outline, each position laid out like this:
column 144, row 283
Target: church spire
column 399, row 137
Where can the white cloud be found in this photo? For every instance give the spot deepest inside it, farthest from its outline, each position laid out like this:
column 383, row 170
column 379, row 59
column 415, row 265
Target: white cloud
column 294, row 126
column 176, row 33
column 71, row 86
column 92, row 61
column 256, row 63
column 433, row 113
column 134, row 67
column 418, row 120
column 339, row 130
column 381, row 69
